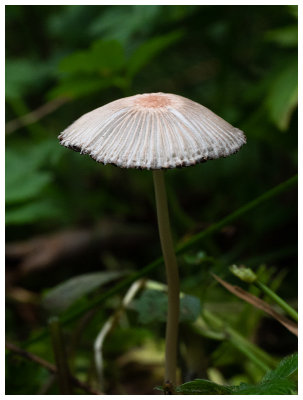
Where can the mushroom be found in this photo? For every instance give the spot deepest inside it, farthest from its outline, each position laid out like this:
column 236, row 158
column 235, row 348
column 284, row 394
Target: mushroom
column 155, row 131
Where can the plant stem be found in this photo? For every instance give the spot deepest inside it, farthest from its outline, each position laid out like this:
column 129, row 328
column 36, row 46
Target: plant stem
column 172, row 276
column 252, row 351
column 277, row 299
column 60, row 356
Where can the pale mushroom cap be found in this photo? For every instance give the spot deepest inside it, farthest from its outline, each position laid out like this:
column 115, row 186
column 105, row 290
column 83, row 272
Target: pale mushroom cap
column 152, row 131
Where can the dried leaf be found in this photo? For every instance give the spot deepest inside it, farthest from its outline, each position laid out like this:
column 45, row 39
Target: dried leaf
column 258, row 303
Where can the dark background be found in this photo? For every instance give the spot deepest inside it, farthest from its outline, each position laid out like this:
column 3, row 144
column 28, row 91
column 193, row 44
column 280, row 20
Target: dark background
column 66, row 215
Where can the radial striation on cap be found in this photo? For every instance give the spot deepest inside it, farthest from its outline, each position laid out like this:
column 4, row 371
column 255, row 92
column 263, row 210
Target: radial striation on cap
column 152, row 131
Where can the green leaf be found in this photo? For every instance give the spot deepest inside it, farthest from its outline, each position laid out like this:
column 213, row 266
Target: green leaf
column 78, row 87
column 203, row 387
column 275, row 387
column 35, row 211
column 283, row 96
column 61, row 297
column 26, row 181
column 103, row 57
column 24, row 178
column 76, row 62
column 90, row 70
column 152, row 307
column 22, row 75
column 149, row 50
column 31, row 156
column 108, row 56
column 275, row 382
column 190, row 308
column 24, row 187
column 286, row 368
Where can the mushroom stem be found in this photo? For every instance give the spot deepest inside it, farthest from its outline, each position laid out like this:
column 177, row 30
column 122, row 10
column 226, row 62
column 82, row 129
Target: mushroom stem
column 172, row 276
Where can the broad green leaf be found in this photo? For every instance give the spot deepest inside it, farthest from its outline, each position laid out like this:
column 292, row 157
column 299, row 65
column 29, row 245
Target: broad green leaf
column 286, row 368
column 24, row 177
column 21, row 75
column 103, row 57
column 274, row 383
column 149, row 50
column 190, row 308
column 76, row 62
column 77, row 87
column 35, row 211
column 31, row 156
column 203, row 387
column 107, row 56
column 152, row 306
column 24, row 187
column 274, row 387
column 90, row 70
column 282, row 98
column 61, row 297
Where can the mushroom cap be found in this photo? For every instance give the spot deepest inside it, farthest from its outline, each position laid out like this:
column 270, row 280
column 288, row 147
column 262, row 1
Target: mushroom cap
column 152, row 131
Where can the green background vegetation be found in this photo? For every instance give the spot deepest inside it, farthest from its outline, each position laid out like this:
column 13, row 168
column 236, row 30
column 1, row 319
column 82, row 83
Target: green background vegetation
column 70, row 217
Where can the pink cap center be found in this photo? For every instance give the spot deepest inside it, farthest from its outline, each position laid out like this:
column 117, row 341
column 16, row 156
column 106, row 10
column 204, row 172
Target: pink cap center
column 152, row 101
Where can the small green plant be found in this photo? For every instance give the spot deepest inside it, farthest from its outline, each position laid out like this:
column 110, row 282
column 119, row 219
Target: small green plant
column 280, row 381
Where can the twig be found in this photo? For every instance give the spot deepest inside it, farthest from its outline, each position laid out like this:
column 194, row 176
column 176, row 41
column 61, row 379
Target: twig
column 45, row 364
column 32, row 357
column 35, row 115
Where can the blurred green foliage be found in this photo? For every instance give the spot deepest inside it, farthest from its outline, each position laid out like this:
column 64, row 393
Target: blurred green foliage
column 239, row 61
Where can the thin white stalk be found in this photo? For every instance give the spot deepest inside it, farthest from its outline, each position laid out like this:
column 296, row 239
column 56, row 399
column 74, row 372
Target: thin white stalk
column 108, row 326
